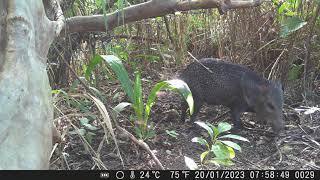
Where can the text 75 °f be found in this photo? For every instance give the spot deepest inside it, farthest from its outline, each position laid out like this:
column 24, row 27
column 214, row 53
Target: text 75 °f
column 179, row 174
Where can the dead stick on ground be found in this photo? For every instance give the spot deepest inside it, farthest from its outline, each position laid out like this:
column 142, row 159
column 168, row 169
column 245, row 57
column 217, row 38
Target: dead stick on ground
column 142, row 144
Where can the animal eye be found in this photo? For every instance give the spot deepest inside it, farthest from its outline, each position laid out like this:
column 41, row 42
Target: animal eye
column 270, row 106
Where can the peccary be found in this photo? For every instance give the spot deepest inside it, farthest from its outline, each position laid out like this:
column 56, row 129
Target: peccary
column 218, row 82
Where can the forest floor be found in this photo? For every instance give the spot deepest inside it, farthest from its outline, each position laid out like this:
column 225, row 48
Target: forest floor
column 297, row 147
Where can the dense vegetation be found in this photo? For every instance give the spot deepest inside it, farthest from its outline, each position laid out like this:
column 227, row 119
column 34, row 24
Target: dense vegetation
column 98, row 76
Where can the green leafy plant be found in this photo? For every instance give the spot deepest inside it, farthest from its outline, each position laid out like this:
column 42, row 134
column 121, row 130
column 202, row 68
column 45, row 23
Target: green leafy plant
column 288, row 17
column 295, row 71
column 220, row 150
column 80, row 103
column 134, row 91
column 291, row 24
column 172, row 133
column 86, row 129
column 95, row 61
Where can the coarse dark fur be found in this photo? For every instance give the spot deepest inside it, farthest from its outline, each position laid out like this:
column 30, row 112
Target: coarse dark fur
column 218, row 82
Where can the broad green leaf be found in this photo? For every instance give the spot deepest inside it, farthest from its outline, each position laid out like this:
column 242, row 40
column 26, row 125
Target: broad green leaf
column 282, row 8
column 223, row 127
column 90, row 127
column 149, row 134
column 206, row 127
column 190, row 163
column 120, row 107
column 220, row 151
column 151, row 58
column 152, row 98
column 295, row 72
column 231, row 152
column 64, row 93
column 97, row 92
column 172, row 133
column 99, row 3
column 82, row 105
column 224, row 162
column 184, row 90
column 89, row 136
column 291, row 13
column 138, row 101
column 122, row 74
column 200, row 141
column 203, row 155
column 82, row 131
column 215, row 129
column 232, row 144
column 178, row 85
column 73, row 86
column 318, row 1
column 91, row 117
column 233, row 136
column 138, row 132
column 74, row 103
column 55, row 91
column 290, row 25
column 84, row 121
column 116, row 96
column 92, row 65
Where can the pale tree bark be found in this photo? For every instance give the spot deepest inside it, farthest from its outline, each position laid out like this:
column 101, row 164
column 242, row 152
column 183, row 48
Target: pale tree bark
column 25, row 98
column 149, row 9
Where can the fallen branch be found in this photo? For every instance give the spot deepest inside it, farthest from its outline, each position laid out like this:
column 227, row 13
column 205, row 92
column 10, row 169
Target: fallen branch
column 150, row 9
column 142, row 144
column 136, row 38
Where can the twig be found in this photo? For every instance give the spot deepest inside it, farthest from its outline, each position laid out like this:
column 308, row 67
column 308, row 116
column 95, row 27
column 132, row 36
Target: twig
column 142, row 144
column 274, row 154
column 280, row 154
column 308, row 137
column 220, row 116
column 200, row 62
column 274, row 65
column 65, row 160
column 266, row 132
column 53, row 149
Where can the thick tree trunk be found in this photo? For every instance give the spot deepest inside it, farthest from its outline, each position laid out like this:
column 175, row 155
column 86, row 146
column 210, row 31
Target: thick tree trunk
column 25, row 99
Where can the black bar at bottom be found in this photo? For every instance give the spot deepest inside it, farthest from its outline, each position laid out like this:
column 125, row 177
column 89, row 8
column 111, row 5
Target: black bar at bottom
column 161, row 174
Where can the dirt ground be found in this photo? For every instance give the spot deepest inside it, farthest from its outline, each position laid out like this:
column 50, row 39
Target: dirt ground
column 297, row 147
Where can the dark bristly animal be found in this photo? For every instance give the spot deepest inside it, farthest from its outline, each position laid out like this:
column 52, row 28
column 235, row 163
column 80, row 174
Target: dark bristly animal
column 218, row 82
